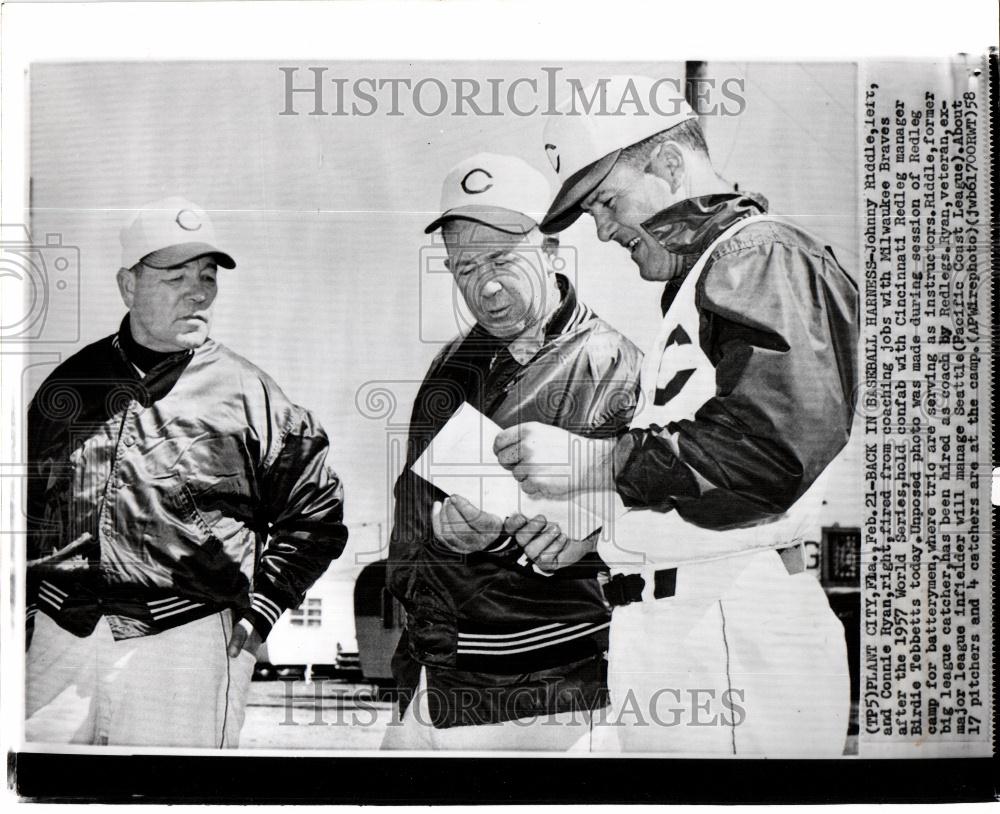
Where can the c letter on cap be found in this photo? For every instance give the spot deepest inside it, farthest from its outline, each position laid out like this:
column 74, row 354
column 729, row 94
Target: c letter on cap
column 476, row 191
column 188, row 220
column 553, row 153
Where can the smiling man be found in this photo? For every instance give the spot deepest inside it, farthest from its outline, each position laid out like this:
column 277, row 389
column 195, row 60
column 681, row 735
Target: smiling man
column 178, row 503
column 495, row 654
column 717, row 636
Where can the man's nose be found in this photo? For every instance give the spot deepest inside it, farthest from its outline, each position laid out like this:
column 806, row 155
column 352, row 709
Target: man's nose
column 198, row 292
column 491, row 288
column 605, row 227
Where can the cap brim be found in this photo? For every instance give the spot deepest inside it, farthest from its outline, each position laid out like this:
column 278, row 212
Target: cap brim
column 565, row 209
column 182, row 253
column 504, row 220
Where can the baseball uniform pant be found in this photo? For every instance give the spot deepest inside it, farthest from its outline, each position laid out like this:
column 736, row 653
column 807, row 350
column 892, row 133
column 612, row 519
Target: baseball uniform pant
column 175, row 688
column 744, row 659
column 557, row 732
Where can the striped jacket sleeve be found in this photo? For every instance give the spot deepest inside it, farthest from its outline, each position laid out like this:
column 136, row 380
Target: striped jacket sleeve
column 303, row 500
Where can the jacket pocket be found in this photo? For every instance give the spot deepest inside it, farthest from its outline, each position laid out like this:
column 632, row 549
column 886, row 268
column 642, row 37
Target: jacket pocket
column 215, row 509
column 197, row 551
column 183, row 503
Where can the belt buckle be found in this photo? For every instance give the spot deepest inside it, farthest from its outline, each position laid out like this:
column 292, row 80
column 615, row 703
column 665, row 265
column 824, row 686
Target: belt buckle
column 624, row 589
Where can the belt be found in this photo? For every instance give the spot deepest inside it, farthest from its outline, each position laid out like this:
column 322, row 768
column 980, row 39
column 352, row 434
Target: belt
column 624, row 589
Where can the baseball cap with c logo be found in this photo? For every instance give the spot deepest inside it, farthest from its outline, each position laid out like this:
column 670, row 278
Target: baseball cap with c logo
column 169, row 233
column 501, row 191
column 584, row 142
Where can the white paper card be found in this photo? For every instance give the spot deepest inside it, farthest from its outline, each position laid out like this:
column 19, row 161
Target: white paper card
column 460, row 461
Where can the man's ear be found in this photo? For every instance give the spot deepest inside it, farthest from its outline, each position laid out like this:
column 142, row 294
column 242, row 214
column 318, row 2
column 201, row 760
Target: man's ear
column 666, row 161
column 126, row 285
column 550, row 251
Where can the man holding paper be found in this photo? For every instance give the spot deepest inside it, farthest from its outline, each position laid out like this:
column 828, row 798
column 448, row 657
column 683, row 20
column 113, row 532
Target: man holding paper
column 747, row 396
column 496, row 654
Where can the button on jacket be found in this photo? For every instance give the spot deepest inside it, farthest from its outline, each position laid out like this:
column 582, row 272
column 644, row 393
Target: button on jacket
column 202, row 487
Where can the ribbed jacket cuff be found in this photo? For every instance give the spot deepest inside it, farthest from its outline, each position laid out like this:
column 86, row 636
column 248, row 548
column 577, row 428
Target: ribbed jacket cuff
column 265, row 610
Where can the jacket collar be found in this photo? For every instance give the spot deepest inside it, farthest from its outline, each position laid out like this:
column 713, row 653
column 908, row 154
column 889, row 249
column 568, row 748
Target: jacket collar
column 688, row 228
column 142, row 358
column 159, row 379
column 569, row 313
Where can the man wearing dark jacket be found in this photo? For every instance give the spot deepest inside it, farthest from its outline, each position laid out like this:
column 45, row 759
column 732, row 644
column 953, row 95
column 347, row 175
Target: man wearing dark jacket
column 718, row 638
column 497, row 655
column 178, row 504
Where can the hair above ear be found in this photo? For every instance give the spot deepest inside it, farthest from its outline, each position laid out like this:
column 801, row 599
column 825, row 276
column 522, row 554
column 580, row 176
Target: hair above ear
column 550, row 246
column 688, row 135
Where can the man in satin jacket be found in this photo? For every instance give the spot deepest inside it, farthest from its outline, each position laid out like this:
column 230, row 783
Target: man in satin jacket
column 497, row 655
column 178, row 503
column 748, row 395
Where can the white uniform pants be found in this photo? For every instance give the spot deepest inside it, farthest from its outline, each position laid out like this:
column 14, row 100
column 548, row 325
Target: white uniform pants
column 176, row 688
column 744, row 659
column 558, row 732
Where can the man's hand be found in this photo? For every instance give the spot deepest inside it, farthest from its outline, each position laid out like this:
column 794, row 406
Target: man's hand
column 244, row 637
column 551, row 462
column 61, row 562
column 463, row 527
column 545, row 544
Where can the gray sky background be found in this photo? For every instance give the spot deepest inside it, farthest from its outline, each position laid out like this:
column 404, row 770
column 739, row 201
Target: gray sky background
column 325, row 218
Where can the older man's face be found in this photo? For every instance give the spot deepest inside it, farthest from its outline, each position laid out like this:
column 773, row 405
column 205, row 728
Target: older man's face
column 170, row 309
column 502, row 279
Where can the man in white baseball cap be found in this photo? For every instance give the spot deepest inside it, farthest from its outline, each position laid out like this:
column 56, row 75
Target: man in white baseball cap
column 496, row 655
column 168, row 233
column 178, row 504
column 747, row 396
column 583, row 147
